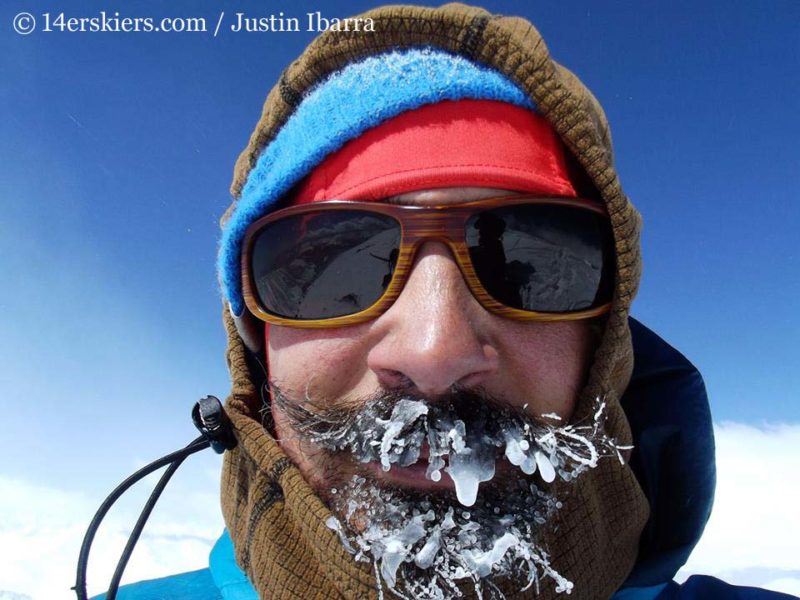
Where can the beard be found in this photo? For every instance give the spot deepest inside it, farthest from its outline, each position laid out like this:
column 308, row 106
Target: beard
column 482, row 533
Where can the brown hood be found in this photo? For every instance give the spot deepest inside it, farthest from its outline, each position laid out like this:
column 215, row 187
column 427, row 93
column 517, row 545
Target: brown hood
column 276, row 522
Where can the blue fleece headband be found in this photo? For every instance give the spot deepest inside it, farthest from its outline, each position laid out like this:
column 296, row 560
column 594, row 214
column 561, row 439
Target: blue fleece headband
column 340, row 108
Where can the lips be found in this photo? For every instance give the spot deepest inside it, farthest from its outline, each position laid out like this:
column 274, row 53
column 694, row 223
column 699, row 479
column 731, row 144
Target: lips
column 412, row 476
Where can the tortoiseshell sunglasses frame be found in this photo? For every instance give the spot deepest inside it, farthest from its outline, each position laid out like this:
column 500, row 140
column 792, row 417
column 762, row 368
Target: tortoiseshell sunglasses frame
column 444, row 223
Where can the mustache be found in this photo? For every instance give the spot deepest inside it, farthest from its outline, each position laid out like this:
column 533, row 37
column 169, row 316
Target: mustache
column 332, row 424
column 463, row 432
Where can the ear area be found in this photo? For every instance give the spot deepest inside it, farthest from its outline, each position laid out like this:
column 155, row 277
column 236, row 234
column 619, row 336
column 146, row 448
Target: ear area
column 249, row 329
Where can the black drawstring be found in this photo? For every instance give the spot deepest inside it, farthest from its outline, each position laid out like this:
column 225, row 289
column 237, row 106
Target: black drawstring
column 211, row 420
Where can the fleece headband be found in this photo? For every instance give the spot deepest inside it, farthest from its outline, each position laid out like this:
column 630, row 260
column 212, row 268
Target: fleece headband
column 340, row 108
column 480, row 143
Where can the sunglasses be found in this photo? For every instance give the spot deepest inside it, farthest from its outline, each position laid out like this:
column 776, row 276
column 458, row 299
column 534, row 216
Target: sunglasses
column 337, row 263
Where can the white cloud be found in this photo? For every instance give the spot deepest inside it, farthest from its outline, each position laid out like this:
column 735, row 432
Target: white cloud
column 753, row 536
column 42, row 530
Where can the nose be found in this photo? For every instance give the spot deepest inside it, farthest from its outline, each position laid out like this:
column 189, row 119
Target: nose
column 435, row 335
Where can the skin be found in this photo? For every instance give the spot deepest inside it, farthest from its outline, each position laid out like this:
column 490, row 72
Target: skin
column 435, row 336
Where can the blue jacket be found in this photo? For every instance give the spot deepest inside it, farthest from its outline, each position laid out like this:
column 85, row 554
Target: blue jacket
column 667, row 407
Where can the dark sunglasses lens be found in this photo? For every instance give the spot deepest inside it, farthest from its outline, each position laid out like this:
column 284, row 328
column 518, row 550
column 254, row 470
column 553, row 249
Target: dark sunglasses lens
column 324, row 264
column 544, row 258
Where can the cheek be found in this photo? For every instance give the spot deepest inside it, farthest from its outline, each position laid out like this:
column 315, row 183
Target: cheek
column 546, row 364
column 543, row 364
column 318, row 364
column 322, row 363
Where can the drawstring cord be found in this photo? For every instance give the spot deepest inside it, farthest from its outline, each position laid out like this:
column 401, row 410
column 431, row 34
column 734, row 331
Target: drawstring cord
column 210, row 418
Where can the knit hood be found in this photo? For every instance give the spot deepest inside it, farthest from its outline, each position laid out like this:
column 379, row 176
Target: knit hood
column 276, row 522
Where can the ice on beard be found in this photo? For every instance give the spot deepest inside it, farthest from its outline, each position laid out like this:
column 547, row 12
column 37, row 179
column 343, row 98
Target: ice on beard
column 546, row 469
column 424, row 558
column 470, row 464
column 516, row 451
column 471, row 454
column 451, row 546
column 396, row 547
column 423, row 547
column 482, row 563
column 404, row 414
column 471, row 447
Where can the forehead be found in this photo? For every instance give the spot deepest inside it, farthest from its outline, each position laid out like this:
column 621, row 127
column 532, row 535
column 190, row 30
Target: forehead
column 453, row 195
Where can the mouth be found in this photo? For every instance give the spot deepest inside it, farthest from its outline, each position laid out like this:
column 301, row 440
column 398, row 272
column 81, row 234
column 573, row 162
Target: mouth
column 408, row 444
column 414, row 476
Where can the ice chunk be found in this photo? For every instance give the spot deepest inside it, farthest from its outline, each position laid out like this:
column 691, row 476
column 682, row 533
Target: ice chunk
column 514, row 452
column 468, row 470
column 546, row 469
column 404, row 413
column 517, row 450
column 528, row 466
column 393, row 555
column 333, row 523
column 411, row 449
column 471, row 526
column 397, row 547
column 437, row 439
column 435, row 465
column 483, row 562
column 412, row 532
column 447, row 522
column 456, row 438
column 427, row 554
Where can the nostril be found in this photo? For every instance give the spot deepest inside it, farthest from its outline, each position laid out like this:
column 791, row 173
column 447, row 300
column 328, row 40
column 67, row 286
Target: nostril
column 392, row 379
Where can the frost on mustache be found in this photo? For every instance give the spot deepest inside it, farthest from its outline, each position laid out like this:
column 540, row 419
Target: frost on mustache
column 470, row 452
column 423, row 547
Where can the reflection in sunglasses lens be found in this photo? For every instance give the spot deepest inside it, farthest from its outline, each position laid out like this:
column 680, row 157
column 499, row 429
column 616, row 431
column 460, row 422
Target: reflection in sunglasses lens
column 325, row 264
column 544, row 258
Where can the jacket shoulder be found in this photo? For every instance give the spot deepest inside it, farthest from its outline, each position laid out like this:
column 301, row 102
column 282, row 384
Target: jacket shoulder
column 194, row 585
column 702, row 587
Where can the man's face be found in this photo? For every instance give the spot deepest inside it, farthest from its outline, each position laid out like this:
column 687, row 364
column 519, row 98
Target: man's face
column 428, row 431
column 433, row 340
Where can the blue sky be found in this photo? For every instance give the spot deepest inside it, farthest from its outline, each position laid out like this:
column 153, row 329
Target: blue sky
column 117, row 153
